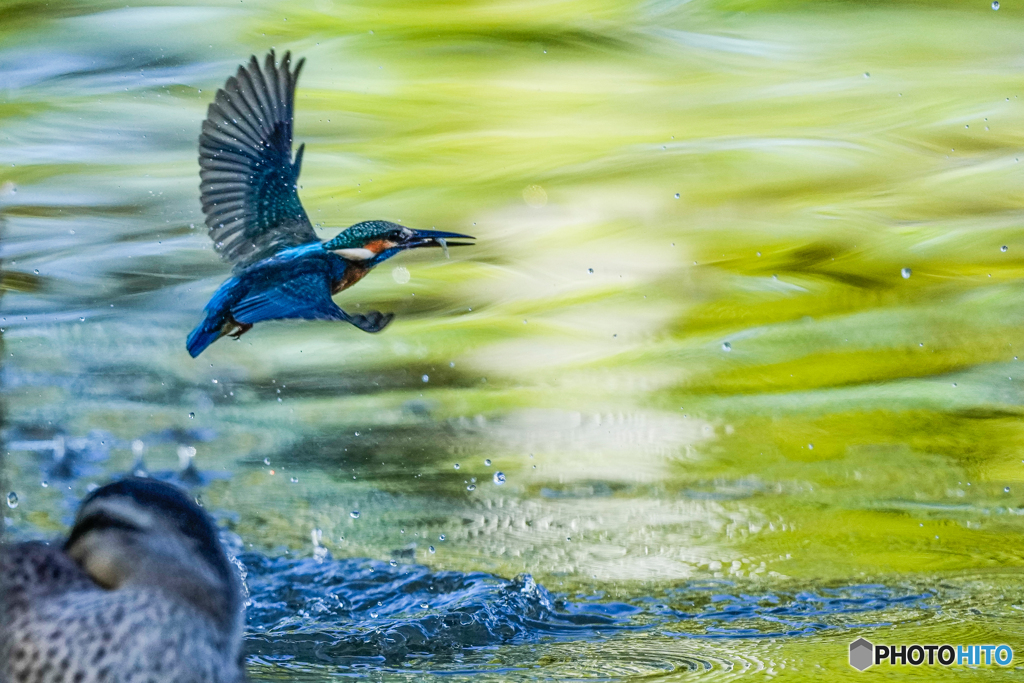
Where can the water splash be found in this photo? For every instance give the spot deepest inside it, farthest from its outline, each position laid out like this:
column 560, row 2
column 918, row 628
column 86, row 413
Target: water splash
column 339, row 611
column 357, row 614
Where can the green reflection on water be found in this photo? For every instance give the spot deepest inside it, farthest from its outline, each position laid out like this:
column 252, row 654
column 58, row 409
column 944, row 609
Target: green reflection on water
column 648, row 182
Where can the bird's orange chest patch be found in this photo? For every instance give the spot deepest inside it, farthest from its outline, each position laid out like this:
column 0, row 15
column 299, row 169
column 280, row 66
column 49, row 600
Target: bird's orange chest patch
column 353, row 274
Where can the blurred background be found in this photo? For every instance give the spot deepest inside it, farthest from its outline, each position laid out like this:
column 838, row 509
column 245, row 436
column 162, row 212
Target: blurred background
column 742, row 321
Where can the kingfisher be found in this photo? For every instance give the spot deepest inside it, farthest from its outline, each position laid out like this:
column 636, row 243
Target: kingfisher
column 249, row 192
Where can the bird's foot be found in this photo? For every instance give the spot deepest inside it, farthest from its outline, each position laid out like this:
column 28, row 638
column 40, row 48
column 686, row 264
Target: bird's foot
column 242, row 329
column 372, row 322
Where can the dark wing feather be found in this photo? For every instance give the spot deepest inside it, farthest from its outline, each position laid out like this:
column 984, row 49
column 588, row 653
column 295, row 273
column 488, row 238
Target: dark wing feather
column 249, row 181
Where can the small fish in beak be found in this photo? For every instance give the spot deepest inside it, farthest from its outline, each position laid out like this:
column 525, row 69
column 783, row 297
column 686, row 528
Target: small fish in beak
column 435, row 238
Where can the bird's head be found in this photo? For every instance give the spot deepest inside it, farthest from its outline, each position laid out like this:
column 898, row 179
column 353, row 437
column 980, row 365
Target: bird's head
column 371, row 242
column 142, row 533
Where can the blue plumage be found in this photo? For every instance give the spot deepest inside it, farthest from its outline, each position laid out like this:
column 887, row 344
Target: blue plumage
column 251, row 202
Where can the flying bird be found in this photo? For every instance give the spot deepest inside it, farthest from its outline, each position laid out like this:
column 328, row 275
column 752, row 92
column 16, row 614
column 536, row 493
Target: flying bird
column 249, row 191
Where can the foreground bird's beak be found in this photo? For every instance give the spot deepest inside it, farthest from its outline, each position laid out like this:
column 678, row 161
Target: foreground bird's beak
column 437, row 238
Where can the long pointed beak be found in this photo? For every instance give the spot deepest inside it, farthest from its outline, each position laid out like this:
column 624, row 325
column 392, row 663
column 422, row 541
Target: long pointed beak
column 436, row 238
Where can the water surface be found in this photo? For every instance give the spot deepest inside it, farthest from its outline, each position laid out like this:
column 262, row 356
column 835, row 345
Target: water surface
column 740, row 331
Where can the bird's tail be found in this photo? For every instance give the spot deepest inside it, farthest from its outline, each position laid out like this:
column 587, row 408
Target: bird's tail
column 205, row 334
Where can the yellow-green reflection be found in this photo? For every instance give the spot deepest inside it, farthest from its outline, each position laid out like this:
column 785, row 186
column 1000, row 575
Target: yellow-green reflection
column 739, row 307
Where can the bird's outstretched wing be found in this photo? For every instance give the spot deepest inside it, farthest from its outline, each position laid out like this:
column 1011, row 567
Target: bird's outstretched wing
column 249, row 181
column 306, row 296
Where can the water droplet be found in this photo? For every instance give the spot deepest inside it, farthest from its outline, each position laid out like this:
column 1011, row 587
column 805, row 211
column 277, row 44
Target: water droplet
column 393, row 563
column 373, row 614
column 1003, row 248
column 471, row 487
column 441, row 537
column 191, row 416
column 677, row 195
column 487, row 462
column 12, row 500
column 726, row 346
column 36, row 271
column 954, row 384
column 499, row 478
column 995, row 4
column 1006, row 489
column 590, row 270
column 425, row 378
column 905, row 273
column 266, row 461
column 295, row 480
column 44, row 484
column 354, row 514
column 401, row 275
column 867, row 75
column 810, row 446
column 535, row 196
column 431, row 549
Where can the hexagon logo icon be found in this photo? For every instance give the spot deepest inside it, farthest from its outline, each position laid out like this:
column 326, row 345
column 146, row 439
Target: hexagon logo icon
column 862, row 654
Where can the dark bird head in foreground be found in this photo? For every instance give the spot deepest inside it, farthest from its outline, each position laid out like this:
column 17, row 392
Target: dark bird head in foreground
column 251, row 202
column 141, row 590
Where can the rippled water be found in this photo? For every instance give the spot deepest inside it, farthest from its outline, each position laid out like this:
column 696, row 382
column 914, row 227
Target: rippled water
column 740, row 332
column 358, row 615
